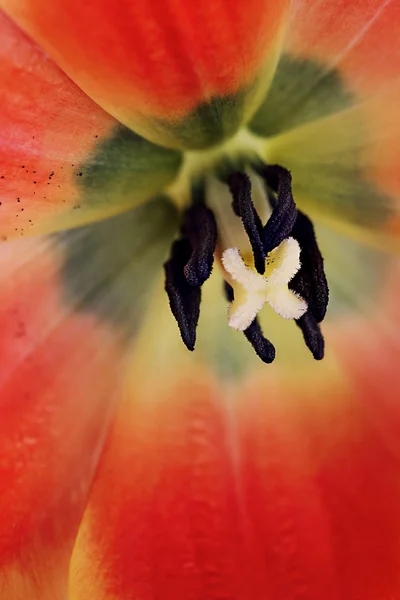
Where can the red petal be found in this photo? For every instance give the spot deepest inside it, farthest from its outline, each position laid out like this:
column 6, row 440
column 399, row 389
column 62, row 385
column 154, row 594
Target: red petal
column 57, row 382
column 48, row 126
column 52, row 136
column 159, row 59
column 282, row 487
column 360, row 38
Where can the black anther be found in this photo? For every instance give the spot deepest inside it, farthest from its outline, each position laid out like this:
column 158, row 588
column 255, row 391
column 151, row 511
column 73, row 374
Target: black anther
column 242, row 204
column 284, row 213
column 200, row 228
column 312, row 335
column 184, row 299
column 310, row 281
column 262, row 347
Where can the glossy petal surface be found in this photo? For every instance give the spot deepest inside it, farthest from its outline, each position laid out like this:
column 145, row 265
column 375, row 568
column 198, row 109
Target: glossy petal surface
column 63, row 160
column 155, row 66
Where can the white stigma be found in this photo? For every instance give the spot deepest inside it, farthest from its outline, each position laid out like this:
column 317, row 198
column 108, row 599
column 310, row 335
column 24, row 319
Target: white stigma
column 253, row 290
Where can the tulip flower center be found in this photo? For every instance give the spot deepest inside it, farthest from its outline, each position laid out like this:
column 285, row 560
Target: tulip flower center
column 267, row 249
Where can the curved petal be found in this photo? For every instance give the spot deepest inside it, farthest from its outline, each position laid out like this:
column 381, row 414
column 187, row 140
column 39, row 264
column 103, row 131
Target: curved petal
column 359, row 38
column 334, row 50
column 70, row 305
column 156, row 66
column 332, row 111
column 64, row 161
column 251, row 481
column 335, row 53
column 52, row 422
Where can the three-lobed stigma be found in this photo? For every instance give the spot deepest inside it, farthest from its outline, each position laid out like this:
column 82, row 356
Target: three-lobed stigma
column 252, row 290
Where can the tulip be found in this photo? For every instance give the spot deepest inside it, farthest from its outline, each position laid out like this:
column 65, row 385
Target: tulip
column 199, row 381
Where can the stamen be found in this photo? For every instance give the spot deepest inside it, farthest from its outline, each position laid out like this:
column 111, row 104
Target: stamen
column 184, row 299
column 242, row 204
column 312, row 335
column 310, row 282
column 284, row 214
column 200, row 228
column 262, row 347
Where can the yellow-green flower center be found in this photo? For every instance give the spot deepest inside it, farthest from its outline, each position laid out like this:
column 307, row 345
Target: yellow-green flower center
column 266, row 249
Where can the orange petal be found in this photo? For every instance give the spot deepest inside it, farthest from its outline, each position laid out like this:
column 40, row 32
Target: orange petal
column 63, row 160
column 359, row 38
column 58, row 377
column 282, row 484
column 331, row 114
column 147, row 63
column 69, row 305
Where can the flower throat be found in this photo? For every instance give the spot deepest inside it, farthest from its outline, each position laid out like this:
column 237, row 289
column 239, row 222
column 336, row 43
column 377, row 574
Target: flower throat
column 277, row 262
